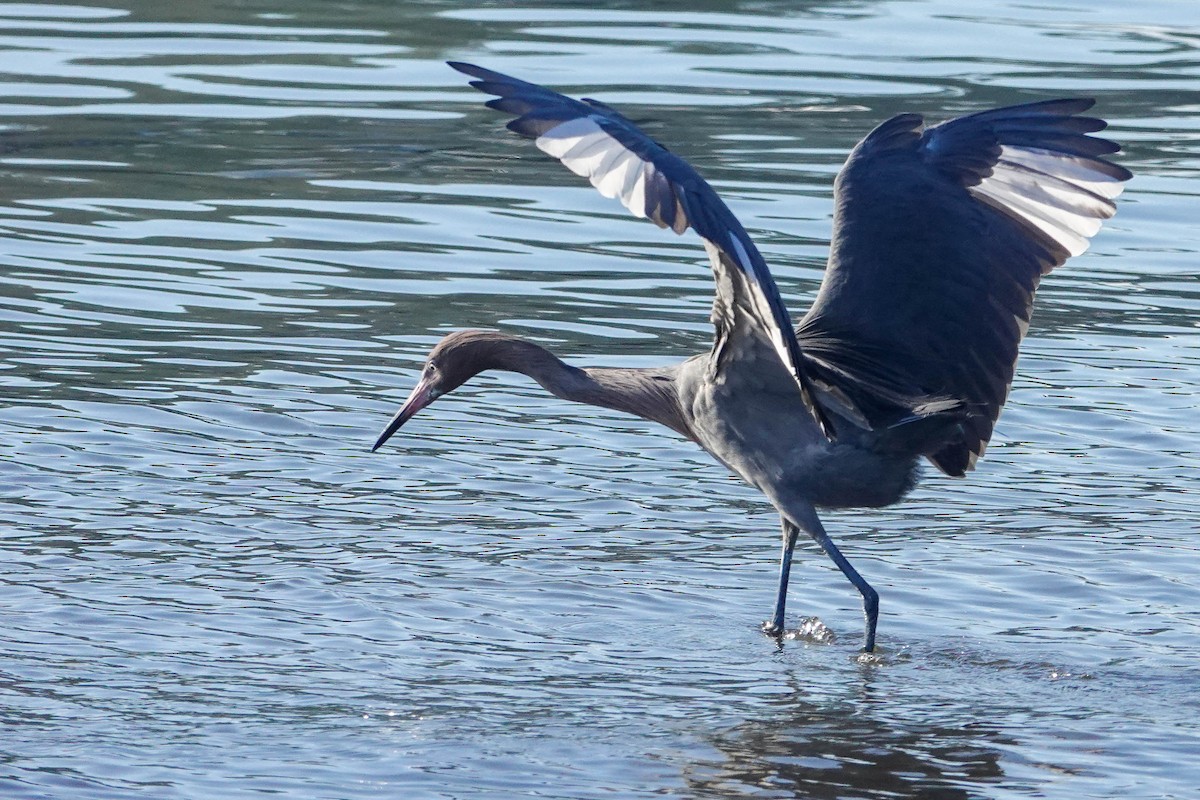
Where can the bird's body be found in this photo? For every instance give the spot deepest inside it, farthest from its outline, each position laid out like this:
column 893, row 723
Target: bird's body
column 941, row 237
column 752, row 420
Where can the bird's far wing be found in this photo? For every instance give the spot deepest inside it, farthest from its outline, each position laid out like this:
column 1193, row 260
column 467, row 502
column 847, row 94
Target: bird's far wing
column 621, row 161
column 941, row 237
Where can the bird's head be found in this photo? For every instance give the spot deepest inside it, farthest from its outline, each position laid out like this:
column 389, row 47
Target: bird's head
column 452, row 362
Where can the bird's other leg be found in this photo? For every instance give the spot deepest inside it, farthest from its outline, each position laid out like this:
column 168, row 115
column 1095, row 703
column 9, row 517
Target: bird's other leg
column 812, row 525
column 774, row 626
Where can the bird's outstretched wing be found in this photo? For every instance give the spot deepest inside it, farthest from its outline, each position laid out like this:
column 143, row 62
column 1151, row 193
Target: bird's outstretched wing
column 621, row 161
column 941, row 236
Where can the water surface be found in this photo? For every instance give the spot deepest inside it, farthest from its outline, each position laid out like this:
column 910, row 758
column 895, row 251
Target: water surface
column 230, row 235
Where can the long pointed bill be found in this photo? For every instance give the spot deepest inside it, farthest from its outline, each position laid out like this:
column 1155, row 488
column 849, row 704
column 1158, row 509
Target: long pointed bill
column 422, row 395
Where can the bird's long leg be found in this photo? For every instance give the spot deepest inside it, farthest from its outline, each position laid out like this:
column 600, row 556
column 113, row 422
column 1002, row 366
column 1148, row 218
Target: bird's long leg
column 812, row 525
column 774, row 626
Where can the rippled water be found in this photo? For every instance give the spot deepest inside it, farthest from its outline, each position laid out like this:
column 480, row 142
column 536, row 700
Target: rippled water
column 230, row 234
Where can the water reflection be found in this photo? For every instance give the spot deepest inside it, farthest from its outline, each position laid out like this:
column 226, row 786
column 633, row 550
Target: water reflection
column 850, row 748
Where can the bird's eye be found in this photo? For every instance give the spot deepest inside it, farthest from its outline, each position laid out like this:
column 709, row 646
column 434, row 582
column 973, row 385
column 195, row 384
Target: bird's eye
column 431, row 367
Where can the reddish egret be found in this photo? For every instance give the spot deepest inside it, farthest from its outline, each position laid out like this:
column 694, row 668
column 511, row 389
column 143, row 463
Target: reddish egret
column 940, row 237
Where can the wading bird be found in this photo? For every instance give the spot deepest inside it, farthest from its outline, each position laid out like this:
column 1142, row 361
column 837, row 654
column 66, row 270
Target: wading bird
column 940, row 238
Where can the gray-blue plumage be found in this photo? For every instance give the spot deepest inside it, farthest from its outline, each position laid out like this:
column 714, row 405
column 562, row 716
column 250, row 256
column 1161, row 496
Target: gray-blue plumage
column 941, row 236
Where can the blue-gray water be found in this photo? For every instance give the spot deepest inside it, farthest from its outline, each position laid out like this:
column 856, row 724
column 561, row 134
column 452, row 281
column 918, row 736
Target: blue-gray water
column 231, row 232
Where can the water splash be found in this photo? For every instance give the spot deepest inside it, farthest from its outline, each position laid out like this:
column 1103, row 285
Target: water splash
column 811, row 631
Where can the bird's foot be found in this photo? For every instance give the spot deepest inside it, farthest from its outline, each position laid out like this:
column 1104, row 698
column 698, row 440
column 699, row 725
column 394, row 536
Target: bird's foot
column 771, row 629
column 871, row 659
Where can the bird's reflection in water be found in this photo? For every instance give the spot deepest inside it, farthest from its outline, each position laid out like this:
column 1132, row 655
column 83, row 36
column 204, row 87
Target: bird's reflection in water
column 850, row 748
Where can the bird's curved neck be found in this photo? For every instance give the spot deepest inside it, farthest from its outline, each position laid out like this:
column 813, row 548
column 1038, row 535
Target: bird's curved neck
column 648, row 393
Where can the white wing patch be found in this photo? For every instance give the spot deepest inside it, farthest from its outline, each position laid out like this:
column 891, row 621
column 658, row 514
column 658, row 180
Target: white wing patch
column 1065, row 197
column 588, row 150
